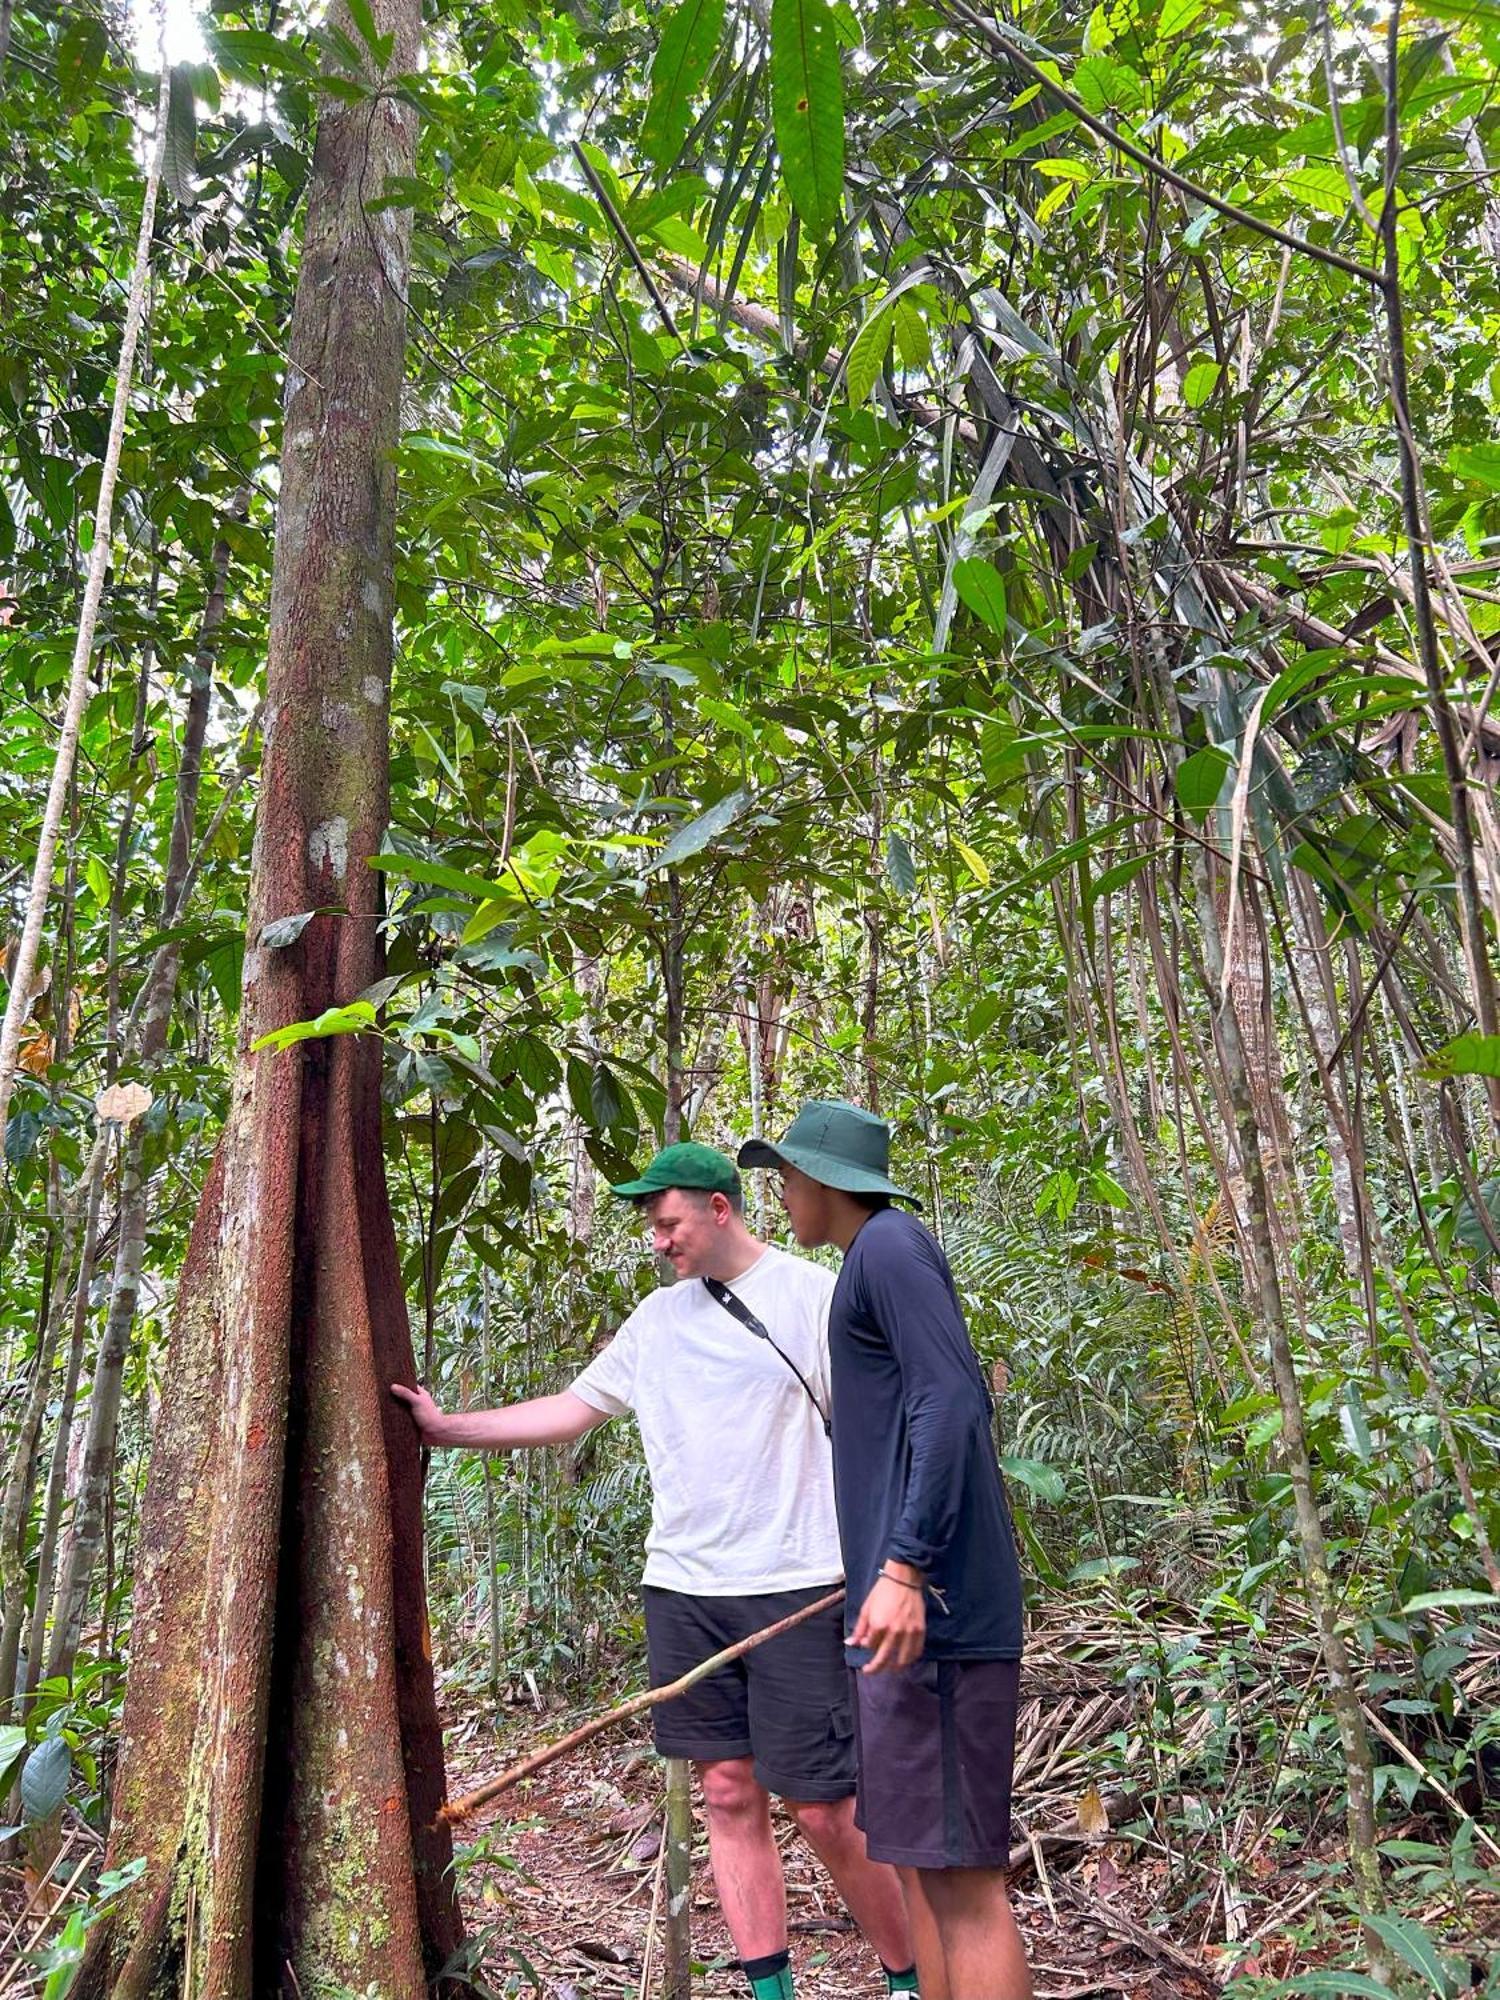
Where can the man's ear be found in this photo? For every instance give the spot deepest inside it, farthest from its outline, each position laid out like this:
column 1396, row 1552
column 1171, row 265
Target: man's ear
column 720, row 1205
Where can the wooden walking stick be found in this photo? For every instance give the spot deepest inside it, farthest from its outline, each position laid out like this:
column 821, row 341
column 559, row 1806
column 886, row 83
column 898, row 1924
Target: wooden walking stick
column 549, row 1753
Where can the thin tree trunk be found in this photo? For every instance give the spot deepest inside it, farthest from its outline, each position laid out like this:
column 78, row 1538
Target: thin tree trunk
column 281, row 1764
column 21, row 1484
column 155, row 1015
column 1343, row 1696
column 57, row 1477
column 18, row 1001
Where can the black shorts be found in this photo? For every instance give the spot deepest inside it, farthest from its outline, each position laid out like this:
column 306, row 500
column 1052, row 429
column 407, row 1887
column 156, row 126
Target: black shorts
column 937, row 1744
column 786, row 1705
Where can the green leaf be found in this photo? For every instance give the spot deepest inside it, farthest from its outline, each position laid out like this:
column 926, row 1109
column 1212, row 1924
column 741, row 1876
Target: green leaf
column 982, row 588
column 66, row 1956
column 438, row 875
column 1200, row 779
column 1411, row 1943
column 689, row 42
column 607, row 1100
column 22, row 1130
column 1453, row 1600
column 698, row 833
column 1465, row 1055
column 379, row 45
column 1108, row 1189
column 80, row 55
column 1328, row 1986
column 1200, row 382
column 913, row 345
column 351, row 1020
column 899, row 864
column 1177, row 15
column 1479, row 462
column 44, row 1782
column 807, row 108
column 1044, row 1480
column 12, row 1743
column 1320, row 188
column 866, row 356
column 282, row 931
column 1353, row 1423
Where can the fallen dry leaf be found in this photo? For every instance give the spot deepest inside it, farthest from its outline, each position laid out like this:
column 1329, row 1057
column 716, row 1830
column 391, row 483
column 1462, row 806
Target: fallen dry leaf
column 123, row 1102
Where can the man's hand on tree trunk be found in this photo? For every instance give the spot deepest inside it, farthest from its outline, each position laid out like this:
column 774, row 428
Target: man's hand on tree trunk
column 425, row 1413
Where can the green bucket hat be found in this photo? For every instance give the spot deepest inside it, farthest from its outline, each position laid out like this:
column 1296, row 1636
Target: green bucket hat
column 837, row 1144
column 684, row 1166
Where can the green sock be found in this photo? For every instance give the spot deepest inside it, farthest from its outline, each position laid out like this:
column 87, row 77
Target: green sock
column 770, row 1978
column 901, row 1982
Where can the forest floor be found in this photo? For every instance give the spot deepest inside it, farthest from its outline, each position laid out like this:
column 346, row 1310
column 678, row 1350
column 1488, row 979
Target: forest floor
column 561, row 1877
column 559, row 1874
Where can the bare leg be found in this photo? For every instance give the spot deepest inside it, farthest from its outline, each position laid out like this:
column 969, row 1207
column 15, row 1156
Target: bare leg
column 932, row 1965
column 869, row 1888
column 982, row 1950
column 742, row 1853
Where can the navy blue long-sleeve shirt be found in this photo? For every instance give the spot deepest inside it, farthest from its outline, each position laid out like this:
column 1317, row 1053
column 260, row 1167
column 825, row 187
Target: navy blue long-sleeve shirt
column 914, row 1469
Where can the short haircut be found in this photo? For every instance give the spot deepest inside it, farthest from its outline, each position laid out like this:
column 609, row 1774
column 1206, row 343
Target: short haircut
column 735, row 1196
column 871, row 1203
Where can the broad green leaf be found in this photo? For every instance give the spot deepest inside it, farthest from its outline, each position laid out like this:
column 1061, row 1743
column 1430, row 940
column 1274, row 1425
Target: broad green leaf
column 700, row 832
column 66, row 1956
column 688, row 45
column 607, row 1100
column 866, row 356
column 899, row 864
column 44, row 1781
column 1411, row 1943
column 1466, row 1055
column 1200, row 382
column 351, row 1020
column 1321, row 188
column 1480, row 462
column 1177, row 16
column 379, row 45
column 80, row 55
column 807, row 108
column 1044, row 1480
column 913, row 346
column 284, row 931
column 1108, row 1189
column 1200, row 778
column 440, row 876
column 1116, row 877
column 982, row 588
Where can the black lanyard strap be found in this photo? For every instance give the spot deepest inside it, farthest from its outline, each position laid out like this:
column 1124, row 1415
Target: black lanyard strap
column 737, row 1309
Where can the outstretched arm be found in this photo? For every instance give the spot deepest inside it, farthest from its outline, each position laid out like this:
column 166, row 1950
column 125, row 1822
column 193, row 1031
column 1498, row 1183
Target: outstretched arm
column 544, row 1420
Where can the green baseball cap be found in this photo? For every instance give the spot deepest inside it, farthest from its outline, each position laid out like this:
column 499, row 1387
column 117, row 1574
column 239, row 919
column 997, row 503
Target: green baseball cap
column 684, row 1166
column 835, row 1143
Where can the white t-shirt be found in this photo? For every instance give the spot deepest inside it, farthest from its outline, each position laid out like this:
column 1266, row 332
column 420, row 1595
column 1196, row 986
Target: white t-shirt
column 741, row 1470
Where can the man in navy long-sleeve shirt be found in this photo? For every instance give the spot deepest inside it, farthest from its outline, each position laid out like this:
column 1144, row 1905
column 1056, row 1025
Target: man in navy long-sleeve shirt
column 928, row 1554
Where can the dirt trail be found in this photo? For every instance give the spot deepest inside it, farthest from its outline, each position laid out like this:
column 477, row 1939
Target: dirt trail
column 560, row 1875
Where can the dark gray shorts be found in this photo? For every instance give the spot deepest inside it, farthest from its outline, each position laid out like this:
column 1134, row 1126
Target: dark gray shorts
column 937, row 1743
column 786, row 1705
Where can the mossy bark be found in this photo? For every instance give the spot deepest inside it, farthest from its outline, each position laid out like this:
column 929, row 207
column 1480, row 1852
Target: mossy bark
column 281, row 1760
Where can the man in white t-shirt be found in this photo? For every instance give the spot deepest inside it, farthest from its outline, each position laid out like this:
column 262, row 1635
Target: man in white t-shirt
column 727, row 1375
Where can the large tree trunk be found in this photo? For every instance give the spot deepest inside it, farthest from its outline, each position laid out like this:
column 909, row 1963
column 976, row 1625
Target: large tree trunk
column 281, row 1761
